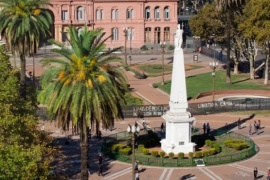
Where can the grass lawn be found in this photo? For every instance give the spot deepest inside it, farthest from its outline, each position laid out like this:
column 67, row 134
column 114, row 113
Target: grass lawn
column 204, row 83
column 156, row 69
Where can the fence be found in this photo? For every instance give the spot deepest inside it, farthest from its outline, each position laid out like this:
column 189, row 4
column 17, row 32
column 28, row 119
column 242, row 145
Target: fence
column 244, row 104
column 222, row 58
column 167, row 162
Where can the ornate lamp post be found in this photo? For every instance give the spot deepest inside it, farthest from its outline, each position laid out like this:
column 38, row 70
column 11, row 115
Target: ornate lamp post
column 213, row 66
column 132, row 130
column 162, row 46
column 125, row 30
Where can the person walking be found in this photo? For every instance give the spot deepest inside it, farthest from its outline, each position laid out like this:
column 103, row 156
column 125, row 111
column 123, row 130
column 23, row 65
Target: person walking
column 100, row 159
column 136, row 166
column 256, row 127
column 255, row 172
column 137, row 176
column 204, row 128
column 250, row 130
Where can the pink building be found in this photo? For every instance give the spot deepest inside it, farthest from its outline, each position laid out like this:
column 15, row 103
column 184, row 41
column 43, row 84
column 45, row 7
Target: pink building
column 147, row 21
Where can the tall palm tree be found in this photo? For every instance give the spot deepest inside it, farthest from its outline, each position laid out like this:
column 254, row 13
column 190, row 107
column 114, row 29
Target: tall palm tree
column 83, row 86
column 227, row 6
column 23, row 23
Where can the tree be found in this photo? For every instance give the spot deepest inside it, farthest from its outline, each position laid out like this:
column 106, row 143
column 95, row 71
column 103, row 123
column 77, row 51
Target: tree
column 23, row 23
column 255, row 25
column 83, row 86
column 227, row 7
column 24, row 151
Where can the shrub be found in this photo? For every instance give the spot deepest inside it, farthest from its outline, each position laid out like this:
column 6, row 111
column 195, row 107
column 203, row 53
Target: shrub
column 235, row 144
column 125, row 151
column 157, row 66
column 171, row 47
column 190, row 154
column 212, row 151
column 154, row 153
column 205, row 153
column 217, row 147
column 198, row 154
column 140, row 147
column 144, row 48
column 162, row 154
column 145, row 151
column 181, row 155
column 171, row 155
column 117, row 147
column 208, row 142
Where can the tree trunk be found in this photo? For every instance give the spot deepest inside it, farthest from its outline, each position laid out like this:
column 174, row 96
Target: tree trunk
column 84, row 144
column 22, row 76
column 251, row 67
column 228, row 37
column 266, row 70
column 236, row 63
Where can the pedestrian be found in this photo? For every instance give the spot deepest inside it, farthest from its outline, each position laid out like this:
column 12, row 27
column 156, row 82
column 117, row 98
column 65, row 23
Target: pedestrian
column 256, row 127
column 268, row 175
column 136, row 124
column 255, row 172
column 137, row 177
column 136, row 166
column 259, row 124
column 100, row 170
column 162, row 127
column 250, row 130
column 204, row 128
column 208, row 129
column 239, row 123
column 73, row 131
column 100, row 159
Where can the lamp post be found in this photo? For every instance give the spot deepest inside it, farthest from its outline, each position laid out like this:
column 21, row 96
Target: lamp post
column 162, row 46
column 130, row 47
column 213, row 66
column 125, row 30
column 133, row 130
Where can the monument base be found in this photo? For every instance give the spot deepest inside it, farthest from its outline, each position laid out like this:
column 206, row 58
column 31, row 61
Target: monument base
column 167, row 147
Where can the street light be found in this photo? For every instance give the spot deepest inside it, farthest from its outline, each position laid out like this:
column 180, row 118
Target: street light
column 162, row 46
column 133, row 130
column 213, row 66
column 130, row 47
column 125, row 30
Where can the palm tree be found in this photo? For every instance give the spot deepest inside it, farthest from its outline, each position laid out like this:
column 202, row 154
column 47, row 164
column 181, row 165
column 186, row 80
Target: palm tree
column 83, row 86
column 227, row 6
column 23, row 23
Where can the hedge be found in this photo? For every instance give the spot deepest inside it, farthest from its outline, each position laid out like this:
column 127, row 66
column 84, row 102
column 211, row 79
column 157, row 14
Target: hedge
column 181, row 155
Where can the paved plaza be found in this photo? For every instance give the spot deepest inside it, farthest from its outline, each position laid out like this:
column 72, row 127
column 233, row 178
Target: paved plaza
column 241, row 170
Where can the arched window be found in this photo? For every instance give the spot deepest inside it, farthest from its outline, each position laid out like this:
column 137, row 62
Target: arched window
column 130, row 34
column 147, row 13
column 147, row 34
column 130, row 14
column 114, row 13
column 157, row 13
column 80, row 13
column 115, row 34
column 166, row 12
column 167, row 34
column 99, row 14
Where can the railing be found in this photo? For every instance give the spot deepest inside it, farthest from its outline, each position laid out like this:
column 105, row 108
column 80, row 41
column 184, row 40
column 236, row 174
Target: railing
column 194, row 108
column 167, row 162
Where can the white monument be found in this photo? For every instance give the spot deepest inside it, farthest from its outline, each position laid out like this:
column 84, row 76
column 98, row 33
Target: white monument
column 178, row 120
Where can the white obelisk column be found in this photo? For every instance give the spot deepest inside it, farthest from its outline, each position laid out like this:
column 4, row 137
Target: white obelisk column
column 178, row 120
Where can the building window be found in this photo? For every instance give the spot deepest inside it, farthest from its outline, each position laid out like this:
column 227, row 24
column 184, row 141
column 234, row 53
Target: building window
column 64, row 15
column 147, row 13
column 157, row 35
column 156, row 12
column 80, row 13
column 130, row 34
column 64, row 37
column 167, row 34
column 99, row 14
column 115, row 34
column 166, row 13
column 148, row 34
column 114, row 13
column 130, row 14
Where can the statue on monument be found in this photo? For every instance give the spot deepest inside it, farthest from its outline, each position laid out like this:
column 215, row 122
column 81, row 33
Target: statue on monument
column 178, row 40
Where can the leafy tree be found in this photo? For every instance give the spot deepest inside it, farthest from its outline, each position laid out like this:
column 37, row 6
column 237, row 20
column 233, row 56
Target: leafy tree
column 23, row 23
column 83, row 87
column 24, row 151
column 255, row 25
column 228, row 6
